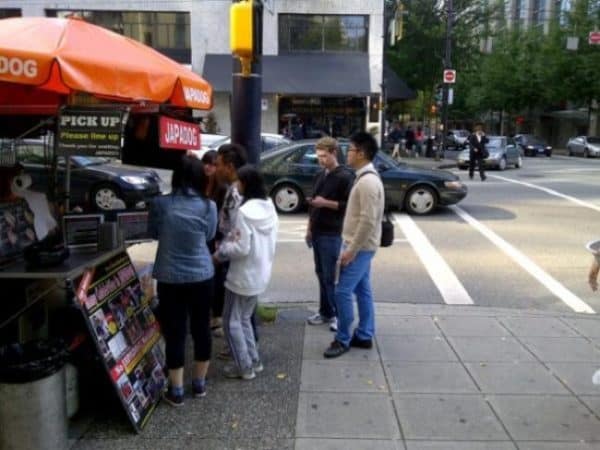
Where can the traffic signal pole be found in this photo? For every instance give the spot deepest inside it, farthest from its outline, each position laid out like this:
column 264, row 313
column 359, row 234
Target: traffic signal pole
column 247, row 87
column 447, row 65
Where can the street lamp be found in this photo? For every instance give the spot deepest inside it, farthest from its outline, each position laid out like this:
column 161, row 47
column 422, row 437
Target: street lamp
column 447, row 65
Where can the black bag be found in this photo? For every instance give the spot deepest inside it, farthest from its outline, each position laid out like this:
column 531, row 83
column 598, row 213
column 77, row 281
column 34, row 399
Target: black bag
column 387, row 227
column 387, row 232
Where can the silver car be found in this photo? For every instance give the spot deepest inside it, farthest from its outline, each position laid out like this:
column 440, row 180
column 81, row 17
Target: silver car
column 584, row 145
column 503, row 153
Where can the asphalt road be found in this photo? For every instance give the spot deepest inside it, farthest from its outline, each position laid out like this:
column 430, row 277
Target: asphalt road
column 517, row 240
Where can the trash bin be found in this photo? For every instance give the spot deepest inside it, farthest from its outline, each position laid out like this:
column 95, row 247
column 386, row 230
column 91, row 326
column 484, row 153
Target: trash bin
column 33, row 411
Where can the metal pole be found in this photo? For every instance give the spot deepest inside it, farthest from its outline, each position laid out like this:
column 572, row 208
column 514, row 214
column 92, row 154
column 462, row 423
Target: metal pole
column 382, row 99
column 247, row 95
column 447, row 65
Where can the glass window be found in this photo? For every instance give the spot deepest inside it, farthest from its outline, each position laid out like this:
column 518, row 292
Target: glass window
column 167, row 32
column 322, row 33
column 9, row 12
column 309, row 157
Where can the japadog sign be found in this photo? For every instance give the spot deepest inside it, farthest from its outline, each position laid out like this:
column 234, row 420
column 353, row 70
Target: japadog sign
column 90, row 132
column 178, row 135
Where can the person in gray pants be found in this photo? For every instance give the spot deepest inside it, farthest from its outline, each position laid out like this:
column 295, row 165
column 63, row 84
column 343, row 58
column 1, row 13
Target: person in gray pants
column 250, row 250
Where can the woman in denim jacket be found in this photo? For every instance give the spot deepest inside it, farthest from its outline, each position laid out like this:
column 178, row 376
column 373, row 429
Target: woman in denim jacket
column 183, row 222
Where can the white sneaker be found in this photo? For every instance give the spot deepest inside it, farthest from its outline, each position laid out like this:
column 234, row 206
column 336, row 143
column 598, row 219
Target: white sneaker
column 257, row 366
column 596, row 377
column 333, row 324
column 316, row 319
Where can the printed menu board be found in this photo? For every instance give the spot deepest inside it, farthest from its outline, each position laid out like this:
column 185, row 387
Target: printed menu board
column 126, row 334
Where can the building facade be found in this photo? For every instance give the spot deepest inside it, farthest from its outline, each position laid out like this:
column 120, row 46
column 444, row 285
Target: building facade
column 322, row 63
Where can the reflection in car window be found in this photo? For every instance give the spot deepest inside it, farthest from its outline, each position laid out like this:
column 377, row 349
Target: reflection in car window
column 309, row 156
column 85, row 161
column 594, row 140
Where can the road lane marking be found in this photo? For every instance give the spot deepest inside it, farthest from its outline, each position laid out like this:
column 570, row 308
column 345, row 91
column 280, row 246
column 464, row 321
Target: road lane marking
column 451, row 289
column 287, row 241
column 551, row 192
column 570, row 299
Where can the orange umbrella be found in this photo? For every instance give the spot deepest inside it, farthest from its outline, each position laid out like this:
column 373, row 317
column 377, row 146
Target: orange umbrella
column 43, row 58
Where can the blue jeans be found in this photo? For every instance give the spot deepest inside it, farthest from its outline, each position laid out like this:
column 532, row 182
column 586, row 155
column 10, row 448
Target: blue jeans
column 355, row 278
column 326, row 249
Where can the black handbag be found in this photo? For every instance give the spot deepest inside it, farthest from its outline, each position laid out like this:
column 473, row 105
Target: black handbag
column 387, row 232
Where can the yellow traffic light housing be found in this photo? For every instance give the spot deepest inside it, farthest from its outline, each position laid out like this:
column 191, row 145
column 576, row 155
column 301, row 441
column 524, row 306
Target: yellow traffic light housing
column 241, row 32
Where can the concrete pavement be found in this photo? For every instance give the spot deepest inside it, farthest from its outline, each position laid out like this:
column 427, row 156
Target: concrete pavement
column 439, row 377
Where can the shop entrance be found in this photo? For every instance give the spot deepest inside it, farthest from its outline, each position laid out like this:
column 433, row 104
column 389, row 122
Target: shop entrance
column 312, row 117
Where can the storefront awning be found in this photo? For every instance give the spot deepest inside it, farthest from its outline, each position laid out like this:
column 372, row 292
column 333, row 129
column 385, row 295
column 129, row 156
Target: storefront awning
column 308, row 74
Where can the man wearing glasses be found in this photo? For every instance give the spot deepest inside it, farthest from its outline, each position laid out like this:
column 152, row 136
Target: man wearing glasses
column 361, row 235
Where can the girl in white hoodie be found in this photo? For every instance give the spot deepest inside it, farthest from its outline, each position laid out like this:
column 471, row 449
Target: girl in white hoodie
column 251, row 255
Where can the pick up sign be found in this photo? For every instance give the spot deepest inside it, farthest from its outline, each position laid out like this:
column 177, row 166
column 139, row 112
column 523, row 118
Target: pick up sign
column 91, row 132
column 178, row 135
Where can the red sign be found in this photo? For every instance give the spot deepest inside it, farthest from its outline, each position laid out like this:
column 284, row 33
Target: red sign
column 178, row 135
column 449, row 76
column 594, row 38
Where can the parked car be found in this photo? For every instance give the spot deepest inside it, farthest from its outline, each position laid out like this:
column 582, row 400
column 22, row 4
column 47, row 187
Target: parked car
column 532, row 145
column 289, row 171
column 267, row 141
column 584, row 145
column 95, row 182
column 457, row 138
column 503, row 153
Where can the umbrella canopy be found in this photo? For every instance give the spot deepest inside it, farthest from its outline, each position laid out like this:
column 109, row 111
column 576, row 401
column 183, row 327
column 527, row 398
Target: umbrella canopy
column 44, row 59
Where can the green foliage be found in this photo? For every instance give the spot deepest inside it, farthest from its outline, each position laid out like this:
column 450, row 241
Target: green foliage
column 526, row 70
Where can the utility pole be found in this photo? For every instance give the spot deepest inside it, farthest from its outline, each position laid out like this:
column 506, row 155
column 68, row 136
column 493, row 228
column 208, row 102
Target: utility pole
column 247, row 77
column 447, row 65
column 387, row 13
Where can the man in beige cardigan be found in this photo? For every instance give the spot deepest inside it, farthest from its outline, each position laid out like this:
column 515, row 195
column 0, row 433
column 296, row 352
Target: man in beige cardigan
column 361, row 235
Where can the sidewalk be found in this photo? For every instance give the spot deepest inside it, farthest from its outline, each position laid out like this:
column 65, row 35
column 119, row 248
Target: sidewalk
column 440, row 377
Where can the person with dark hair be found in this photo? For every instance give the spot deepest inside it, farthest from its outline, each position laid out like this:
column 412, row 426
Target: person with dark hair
column 250, row 252
column 183, row 222
column 361, row 235
column 230, row 157
column 477, row 152
column 215, row 190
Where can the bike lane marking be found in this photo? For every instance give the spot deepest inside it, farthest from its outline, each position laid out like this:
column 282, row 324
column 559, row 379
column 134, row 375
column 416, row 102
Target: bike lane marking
column 554, row 286
column 447, row 283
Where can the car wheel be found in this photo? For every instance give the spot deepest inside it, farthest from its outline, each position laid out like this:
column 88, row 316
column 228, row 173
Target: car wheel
column 519, row 162
column 502, row 163
column 548, row 154
column 287, row 198
column 104, row 196
column 421, row 200
column 570, row 150
column 586, row 153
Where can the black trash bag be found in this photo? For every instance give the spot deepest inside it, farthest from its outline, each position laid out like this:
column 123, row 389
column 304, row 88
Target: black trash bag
column 25, row 363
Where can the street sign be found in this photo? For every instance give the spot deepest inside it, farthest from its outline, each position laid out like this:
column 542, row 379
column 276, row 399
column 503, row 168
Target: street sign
column 449, row 76
column 594, row 38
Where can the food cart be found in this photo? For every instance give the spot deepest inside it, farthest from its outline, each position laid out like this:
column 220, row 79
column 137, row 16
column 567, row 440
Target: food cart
column 84, row 80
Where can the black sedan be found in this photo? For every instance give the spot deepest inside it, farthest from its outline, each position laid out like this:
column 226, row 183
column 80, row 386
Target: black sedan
column 96, row 183
column 290, row 170
column 532, row 145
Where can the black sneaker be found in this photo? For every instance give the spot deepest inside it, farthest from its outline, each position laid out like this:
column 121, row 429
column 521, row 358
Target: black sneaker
column 199, row 391
column 335, row 349
column 172, row 399
column 361, row 343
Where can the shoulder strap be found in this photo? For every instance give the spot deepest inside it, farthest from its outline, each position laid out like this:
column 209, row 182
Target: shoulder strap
column 366, row 173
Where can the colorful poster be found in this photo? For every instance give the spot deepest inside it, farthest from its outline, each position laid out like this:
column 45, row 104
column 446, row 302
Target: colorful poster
column 126, row 333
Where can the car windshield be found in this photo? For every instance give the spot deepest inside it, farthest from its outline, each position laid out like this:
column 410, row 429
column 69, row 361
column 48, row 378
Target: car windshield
column 494, row 142
column 594, row 140
column 533, row 140
column 387, row 159
column 213, row 141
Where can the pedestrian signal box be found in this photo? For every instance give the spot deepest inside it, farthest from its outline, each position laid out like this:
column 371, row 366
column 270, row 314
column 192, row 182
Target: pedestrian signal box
column 241, row 29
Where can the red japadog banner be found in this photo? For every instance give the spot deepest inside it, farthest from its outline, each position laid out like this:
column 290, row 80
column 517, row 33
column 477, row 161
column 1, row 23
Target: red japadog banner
column 178, row 135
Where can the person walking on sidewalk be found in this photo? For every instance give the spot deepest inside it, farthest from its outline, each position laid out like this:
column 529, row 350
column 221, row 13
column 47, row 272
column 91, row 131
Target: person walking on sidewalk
column 251, row 253
column 361, row 235
column 477, row 152
column 183, row 222
column 324, row 232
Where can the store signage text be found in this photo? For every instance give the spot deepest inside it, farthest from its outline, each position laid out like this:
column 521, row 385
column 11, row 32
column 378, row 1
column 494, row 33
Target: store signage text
column 178, row 135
